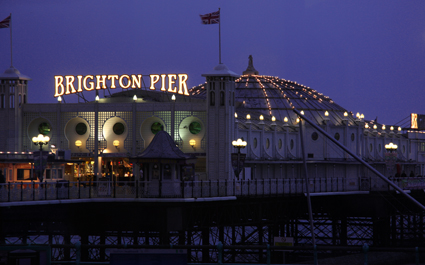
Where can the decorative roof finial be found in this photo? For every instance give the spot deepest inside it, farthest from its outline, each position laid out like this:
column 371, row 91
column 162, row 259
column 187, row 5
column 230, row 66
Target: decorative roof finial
column 250, row 70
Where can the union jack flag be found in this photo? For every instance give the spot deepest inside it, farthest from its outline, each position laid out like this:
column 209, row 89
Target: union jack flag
column 5, row 23
column 211, row 18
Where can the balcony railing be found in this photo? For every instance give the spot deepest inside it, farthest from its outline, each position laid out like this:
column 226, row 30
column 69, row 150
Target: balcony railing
column 63, row 190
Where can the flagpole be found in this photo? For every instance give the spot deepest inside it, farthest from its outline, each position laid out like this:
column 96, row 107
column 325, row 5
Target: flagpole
column 10, row 27
column 219, row 36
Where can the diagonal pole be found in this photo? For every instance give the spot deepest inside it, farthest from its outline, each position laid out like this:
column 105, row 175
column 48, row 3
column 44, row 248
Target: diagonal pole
column 310, row 212
column 392, row 184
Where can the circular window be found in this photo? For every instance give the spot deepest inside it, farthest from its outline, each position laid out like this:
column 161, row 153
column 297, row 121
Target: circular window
column 255, row 142
column 353, row 137
column 81, row 128
column 280, row 144
column 195, row 127
column 267, row 143
column 118, row 128
column 314, row 136
column 44, row 128
column 156, row 127
column 336, row 136
column 292, row 144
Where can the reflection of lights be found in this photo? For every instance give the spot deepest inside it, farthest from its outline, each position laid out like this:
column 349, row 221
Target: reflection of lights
column 261, row 117
column 248, row 117
column 116, row 143
column 326, row 113
column 135, row 98
column 285, row 119
column 236, row 115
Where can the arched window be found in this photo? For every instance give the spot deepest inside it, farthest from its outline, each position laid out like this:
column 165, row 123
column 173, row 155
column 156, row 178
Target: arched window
column 212, row 98
column 221, row 98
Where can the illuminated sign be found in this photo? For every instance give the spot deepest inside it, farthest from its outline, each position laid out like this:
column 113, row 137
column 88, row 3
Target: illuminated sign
column 417, row 121
column 69, row 84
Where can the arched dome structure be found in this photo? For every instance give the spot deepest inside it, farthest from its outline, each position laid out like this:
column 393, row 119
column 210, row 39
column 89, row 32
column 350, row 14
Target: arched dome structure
column 272, row 96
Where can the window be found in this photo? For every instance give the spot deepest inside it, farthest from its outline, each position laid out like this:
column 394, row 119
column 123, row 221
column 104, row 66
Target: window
column 195, row 127
column 353, row 137
column 336, row 136
column 221, row 98
column 267, row 143
column 24, row 174
column 280, row 144
column 118, row 128
column 212, row 98
column 44, row 128
column 167, row 171
column 81, row 128
column 156, row 127
column 12, row 101
column 255, row 142
column 314, row 136
column 48, row 174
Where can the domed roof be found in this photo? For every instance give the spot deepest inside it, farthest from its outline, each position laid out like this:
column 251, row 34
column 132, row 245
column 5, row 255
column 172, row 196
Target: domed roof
column 272, row 96
column 13, row 73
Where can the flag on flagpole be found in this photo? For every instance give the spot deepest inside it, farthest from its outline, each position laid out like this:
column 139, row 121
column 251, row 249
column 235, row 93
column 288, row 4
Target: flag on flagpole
column 5, row 23
column 211, row 18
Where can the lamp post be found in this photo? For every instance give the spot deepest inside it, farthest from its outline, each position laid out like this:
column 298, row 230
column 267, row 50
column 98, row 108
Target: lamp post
column 239, row 144
column 391, row 155
column 391, row 147
column 41, row 140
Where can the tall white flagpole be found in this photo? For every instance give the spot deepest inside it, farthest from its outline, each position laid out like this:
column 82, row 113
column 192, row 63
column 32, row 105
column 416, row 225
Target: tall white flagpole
column 219, row 36
column 10, row 27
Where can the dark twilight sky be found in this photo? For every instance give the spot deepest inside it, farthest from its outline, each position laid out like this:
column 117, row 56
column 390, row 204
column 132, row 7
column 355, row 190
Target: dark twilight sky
column 366, row 55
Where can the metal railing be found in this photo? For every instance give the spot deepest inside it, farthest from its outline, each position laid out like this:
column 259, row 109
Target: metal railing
column 60, row 190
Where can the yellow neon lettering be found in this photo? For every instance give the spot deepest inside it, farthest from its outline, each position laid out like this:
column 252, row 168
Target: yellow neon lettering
column 154, row 80
column 163, row 83
column 136, row 80
column 113, row 78
column 91, row 87
column 99, row 81
column 59, row 84
column 69, row 84
column 183, row 84
column 80, row 89
column 171, row 81
column 128, row 81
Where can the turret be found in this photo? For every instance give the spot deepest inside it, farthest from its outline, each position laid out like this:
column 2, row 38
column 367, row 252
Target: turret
column 13, row 95
column 220, row 121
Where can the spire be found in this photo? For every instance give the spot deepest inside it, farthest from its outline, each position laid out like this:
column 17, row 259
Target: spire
column 250, row 70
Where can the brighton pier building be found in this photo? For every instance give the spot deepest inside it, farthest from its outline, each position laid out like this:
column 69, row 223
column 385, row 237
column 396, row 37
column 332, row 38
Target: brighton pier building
column 111, row 137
